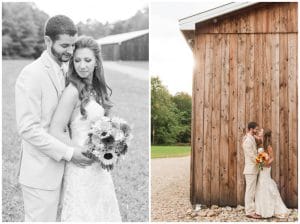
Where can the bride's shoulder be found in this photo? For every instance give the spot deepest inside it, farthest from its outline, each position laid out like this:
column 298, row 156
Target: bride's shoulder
column 71, row 90
column 70, row 94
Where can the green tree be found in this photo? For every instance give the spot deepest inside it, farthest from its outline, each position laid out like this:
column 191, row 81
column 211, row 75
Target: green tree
column 164, row 114
column 183, row 102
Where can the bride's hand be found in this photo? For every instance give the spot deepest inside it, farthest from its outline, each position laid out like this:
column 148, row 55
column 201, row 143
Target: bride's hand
column 79, row 159
column 267, row 164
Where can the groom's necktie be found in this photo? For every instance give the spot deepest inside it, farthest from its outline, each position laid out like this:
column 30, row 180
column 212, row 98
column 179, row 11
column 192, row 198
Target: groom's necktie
column 63, row 76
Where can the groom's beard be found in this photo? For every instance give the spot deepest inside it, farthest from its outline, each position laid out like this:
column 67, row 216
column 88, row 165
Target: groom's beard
column 61, row 57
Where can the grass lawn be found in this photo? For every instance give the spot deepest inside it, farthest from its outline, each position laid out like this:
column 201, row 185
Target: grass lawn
column 131, row 102
column 169, row 151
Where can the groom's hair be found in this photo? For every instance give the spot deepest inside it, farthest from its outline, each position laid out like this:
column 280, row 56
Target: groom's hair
column 57, row 25
column 252, row 125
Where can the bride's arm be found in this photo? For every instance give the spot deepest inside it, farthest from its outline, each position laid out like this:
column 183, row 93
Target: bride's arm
column 63, row 114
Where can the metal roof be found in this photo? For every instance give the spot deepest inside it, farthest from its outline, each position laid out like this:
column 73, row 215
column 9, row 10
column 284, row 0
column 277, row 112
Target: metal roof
column 119, row 38
column 188, row 23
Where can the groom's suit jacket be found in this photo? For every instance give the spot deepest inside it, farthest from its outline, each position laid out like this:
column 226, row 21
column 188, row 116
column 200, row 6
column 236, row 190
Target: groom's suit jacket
column 37, row 93
column 250, row 152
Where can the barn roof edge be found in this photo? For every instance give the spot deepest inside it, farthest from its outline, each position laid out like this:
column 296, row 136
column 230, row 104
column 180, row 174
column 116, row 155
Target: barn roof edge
column 189, row 23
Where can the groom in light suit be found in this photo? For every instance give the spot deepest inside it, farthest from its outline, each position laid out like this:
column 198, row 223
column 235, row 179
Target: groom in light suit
column 37, row 92
column 250, row 170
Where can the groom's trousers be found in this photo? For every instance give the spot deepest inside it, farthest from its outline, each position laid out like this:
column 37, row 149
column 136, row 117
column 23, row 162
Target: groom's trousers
column 251, row 180
column 40, row 205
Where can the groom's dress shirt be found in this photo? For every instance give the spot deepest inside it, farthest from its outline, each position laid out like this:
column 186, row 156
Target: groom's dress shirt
column 59, row 71
column 250, row 152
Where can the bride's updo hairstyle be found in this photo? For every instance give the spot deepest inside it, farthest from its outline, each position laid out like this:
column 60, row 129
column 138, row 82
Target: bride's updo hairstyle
column 99, row 87
column 267, row 138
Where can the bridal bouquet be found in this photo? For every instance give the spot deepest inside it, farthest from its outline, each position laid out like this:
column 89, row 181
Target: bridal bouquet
column 261, row 158
column 107, row 140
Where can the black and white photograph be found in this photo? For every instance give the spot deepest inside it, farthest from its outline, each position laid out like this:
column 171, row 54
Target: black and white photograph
column 75, row 111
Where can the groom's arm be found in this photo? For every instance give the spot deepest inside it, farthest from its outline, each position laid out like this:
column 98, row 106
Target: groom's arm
column 248, row 149
column 28, row 95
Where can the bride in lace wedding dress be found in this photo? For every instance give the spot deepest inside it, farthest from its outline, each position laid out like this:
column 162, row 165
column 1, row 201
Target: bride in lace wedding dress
column 88, row 193
column 268, row 201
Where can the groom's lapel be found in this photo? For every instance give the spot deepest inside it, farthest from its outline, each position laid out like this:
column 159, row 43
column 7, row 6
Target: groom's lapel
column 50, row 72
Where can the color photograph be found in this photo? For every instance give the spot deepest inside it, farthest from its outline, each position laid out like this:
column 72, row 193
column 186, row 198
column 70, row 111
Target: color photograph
column 224, row 111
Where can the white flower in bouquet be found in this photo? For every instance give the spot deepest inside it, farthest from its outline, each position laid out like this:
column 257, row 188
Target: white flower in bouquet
column 108, row 140
column 260, row 150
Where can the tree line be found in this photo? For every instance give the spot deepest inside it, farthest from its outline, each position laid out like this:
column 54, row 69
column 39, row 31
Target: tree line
column 23, row 28
column 170, row 115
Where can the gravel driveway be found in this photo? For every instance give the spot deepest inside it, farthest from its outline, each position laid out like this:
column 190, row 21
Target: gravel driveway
column 170, row 185
column 170, row 181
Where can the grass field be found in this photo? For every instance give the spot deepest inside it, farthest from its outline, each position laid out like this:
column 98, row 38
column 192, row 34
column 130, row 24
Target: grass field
column 131, row 100
column 169, row 151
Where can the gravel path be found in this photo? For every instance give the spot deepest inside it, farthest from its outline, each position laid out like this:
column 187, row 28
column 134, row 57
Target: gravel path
column 170, row 180
column 170, row 196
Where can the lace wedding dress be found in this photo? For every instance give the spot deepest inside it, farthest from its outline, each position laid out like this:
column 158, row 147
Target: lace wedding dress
column 268, row 201
column 88, row 194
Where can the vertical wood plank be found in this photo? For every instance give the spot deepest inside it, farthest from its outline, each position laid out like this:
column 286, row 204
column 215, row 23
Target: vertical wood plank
column 207, row 121
column 293, row 120
column 215, row 188
column 244, row 23
column 283, row 16
column 260, row 18
column 252, row 21
column 258, row 73
column 283, row 115
column 266, row 19
column 274, row 17
column 232, row 175
column 266, row 81
column 224, row 149
column 274, row 79
column 241, row 113
column 198, row 117
column 292, row 17
column 249, row 77
column 193, row 144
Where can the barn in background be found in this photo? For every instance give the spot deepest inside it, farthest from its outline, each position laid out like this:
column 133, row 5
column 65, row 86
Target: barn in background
column 132, row 46
column 246, row 69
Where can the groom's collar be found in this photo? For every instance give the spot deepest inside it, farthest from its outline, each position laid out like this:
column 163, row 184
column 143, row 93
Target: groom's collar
column 51, row 63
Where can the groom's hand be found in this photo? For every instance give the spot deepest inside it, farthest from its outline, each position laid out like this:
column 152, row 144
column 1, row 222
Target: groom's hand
column 79, row 159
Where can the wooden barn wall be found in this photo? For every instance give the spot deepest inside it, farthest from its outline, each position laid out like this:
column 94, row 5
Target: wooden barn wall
column 110, row 52
column 136, row 49
column 240, row 77
column 260, row 18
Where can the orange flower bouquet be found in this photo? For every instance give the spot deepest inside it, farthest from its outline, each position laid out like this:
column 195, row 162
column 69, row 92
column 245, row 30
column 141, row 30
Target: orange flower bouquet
column 261, row 159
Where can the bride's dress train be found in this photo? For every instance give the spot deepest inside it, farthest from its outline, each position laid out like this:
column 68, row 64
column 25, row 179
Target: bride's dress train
column 268, row 201
column 88, row 193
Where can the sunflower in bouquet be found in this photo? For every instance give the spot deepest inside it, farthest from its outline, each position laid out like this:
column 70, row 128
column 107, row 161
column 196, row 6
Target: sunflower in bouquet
column 261, row 158
column 107, row 140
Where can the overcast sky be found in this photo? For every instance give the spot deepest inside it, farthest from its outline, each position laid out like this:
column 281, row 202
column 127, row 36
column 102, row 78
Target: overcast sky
column 101, row 10
column 170, row 57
